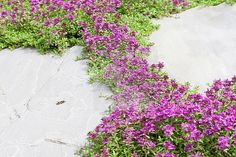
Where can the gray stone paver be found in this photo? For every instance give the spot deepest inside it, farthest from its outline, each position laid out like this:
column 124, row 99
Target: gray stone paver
column 31, row 122
column 197, row 46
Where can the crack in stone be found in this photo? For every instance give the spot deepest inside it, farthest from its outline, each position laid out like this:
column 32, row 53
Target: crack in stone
column 55, row 141
column 17, row 114
column 58, row 70
column 27, row 104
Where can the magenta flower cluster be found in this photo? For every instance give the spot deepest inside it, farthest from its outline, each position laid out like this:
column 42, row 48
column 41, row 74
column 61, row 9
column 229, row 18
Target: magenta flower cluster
column 150, row 104
column 182, row 3
column 48, row 13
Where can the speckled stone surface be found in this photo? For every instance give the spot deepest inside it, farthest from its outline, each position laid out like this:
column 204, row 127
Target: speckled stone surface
column 47, row 105
column 198, row 45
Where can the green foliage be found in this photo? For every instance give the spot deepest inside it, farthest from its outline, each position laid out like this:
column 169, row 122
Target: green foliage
column 195, row 3
column 117, row 147
column 150, row 8
column 29, row 30
column 137, row 15
column 140, row 24
column 160, row 8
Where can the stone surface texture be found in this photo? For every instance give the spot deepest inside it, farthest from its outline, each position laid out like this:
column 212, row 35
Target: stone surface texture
column 198, row 45
column 47, row 105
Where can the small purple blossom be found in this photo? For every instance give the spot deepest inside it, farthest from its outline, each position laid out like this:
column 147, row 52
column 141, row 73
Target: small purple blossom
column 46, row 22
column 51, row 8
column 54, row 32
column 223, row 142
column 56, row 20
column 188, row 147
column 33, row 9
column 176, row 2
column 185, row 3
column 70, row 17
column 4, row 13
column 13, row 15
column 167, row 154
column 105, row 152
column 195, row 135
column 34, row 2
column 168, row 145
column 195, row 155
column 168, row 129
column 134, row 154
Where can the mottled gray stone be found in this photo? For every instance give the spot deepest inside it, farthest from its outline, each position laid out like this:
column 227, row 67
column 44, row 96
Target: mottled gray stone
column 198, row 45
column 33, row 122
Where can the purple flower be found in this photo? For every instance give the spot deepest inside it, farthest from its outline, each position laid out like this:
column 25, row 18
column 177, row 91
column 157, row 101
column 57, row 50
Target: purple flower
column 134, row 154
column 168, row 129
column 66, row 5
column 195, row 135
column 188, row 147
column 105, row 152
column 147, row 143
column 54, row 32
column 70, row 17
column 56, row 20
column 167, row 154
column 4, row 13
column 223, row 142
column 13, row 15
column 188, row 127
column 91, row 135
column 51, row 8
column 176, row 2
column 195, row 155
column 34, row 2
column 168, row 145
column 96, row 155
column 160, row 65
column 185, row 4
column 33, row 9
column 46, row 22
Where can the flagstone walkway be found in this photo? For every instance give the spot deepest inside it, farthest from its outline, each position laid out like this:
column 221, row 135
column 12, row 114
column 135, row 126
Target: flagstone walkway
column 46, row 104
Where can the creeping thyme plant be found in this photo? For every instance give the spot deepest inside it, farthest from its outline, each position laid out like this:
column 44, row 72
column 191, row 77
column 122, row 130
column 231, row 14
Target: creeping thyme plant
column 153, row 115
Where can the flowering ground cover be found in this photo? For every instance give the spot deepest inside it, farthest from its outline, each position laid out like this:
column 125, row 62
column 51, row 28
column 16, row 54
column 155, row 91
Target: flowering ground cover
column 152, row 115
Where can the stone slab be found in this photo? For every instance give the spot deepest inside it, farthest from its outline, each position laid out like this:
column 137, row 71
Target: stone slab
column 47, row 105
column 198, row 45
